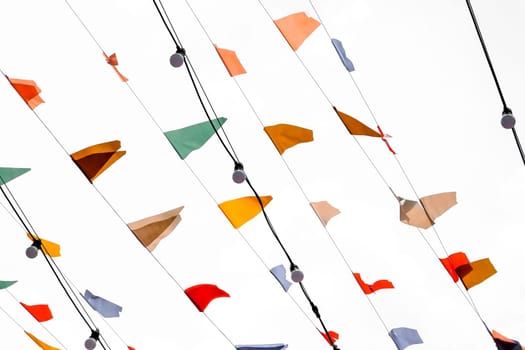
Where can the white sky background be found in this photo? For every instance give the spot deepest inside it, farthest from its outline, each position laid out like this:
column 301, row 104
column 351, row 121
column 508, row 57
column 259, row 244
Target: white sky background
column 422, row 70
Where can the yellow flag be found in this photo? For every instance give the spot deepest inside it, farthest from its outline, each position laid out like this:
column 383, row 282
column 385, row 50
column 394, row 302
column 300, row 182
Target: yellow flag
column 241, row 210
column 40, row 343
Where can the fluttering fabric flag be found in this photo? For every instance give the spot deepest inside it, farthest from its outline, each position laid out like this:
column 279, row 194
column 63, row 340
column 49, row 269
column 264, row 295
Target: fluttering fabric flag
column 203, row 294
column 104, row 307
column 278, row 346
column 285, row 136
column 94, row 160
column 279, row 272
column 325, row 211
column 412, row 213
column 338, row 45
column 40, row 312
column 241, row 210
column 231, row 61
column 404, row 337
column 190, row 138
column 113, row 62
column 49, row 248
column 40, row 343
column 28, row 90
column 8, row 174
column 453, row 261
column 333, row 335
column 354, row 126
column 296, row 28
column 151, row 230
column 372, row 288
column 475, row 272
column 6, row 284
column 504, row 343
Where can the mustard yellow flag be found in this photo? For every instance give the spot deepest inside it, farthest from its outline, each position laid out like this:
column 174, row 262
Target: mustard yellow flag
column 40, row 343
column 241, row 210
column 285, row 136
column 49, row 248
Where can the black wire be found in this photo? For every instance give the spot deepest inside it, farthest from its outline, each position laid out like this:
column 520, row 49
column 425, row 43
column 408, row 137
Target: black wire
column 166, row 25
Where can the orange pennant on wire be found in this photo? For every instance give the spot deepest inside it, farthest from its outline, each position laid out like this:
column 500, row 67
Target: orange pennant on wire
column 40, row 343
column 285, row 136
column 231, row 61
column 296, row 28
column 475, row 272
column 354, row 126
column 94, row 160
column 113, row 62
column 28, row 90
column 372, row 288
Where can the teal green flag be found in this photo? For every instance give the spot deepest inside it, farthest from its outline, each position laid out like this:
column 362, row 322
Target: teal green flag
column 8, row 174
column 6, row 284
column 190, row 138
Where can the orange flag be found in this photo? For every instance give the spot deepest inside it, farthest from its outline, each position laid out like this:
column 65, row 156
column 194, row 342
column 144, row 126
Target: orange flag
column 324, row 211
column 28, row 90
column 372, row 288
column 40, row 312
column 285, row 136
column 49, row 248
column 95, row 159
column 40, row 343
column 231, row 61
column 475, row 272
column 241, row 210
column 113, row 62
column 150, row 231
column 355, row 127
column 296, row 28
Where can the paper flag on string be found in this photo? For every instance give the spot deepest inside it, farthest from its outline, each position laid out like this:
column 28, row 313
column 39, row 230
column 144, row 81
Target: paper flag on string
column 49, row 248
column 94, row 160
column 6, row 284
column 453, row 261
column 28, row 90
column 285, row 136
column 40, row 312
column 190, row 138
column 241, row 210
column 412, row 213
column 105, row 307
column 355, row 127
column 202, row 294
column 333, row 335
column 231, row 61
column 338, row 45
column 150, row 231
column 40, row 343
column 113, row 62
column 279, row 346
column 324, row 211
column 130, row 348
column 404, row 337
column 371, row 288
column 279, row 272
column 475, row 272
column 504, row 343
column 8, row 174
column 296, row 28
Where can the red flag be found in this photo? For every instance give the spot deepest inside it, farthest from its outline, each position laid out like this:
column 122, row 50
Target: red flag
column 371, row 288
column 202, row 294
column 40, row 312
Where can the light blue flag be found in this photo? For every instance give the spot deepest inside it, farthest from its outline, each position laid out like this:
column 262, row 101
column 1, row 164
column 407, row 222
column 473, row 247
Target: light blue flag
column 404, row 337
column 342, row 55
column 279, row 272
column 105, row 307
column 279, row 346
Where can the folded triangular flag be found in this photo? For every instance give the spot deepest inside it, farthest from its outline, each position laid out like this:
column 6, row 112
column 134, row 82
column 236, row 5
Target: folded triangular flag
column 28, row 90
column 40, row 343
column 355, row 127
column 105, row 307
column 404, row 337
column 475, row 272
column 49, row 248
column 231, row 61
column 325, row 211
column 150, row 231
column 279, row 272
column 296, row 28
column 6, row 284
column 333, row 335
column 190, row 138
column 94, row 160
column 279, row 346
column 504, row 343
column 241, row 210
column 8, row 174
column 113, row 62
column 371, row 288
column 453, row 261
column 202, row 294
column 338, row 45
column 40, row 312
column 412, row 213
column 285, row 136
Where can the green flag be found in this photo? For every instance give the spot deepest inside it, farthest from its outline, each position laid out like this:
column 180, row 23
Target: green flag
column 8, row 174
column 6, row 284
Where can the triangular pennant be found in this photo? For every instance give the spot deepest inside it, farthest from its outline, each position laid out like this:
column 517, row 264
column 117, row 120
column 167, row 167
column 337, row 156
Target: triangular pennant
column 8, row 174
column 453, row 261
column 49, row 248
column 475, row 272
column 355, row 127
column 105, row 307
column 404, row 337
column 28, row 90
column 285, row 136
column 6, row 284
column 94, row 160
column 113, row 62
column 279, row 346
column 371, row 288
column 325, row 211
column 241, row 210
column 333, row 335
column 279, row 272
column 231, row 61
column 504, row 343
column 338, row 45
column 203, row 294
column 40, row 312
column 40, row 343
column 150, row 231
column 296, row 28
column 190, row 138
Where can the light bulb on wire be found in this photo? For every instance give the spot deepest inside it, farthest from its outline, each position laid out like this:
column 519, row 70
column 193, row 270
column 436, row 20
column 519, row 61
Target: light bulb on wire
column 91, row 342
column 177, row 59
column 238, row 175
column 32, row 250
